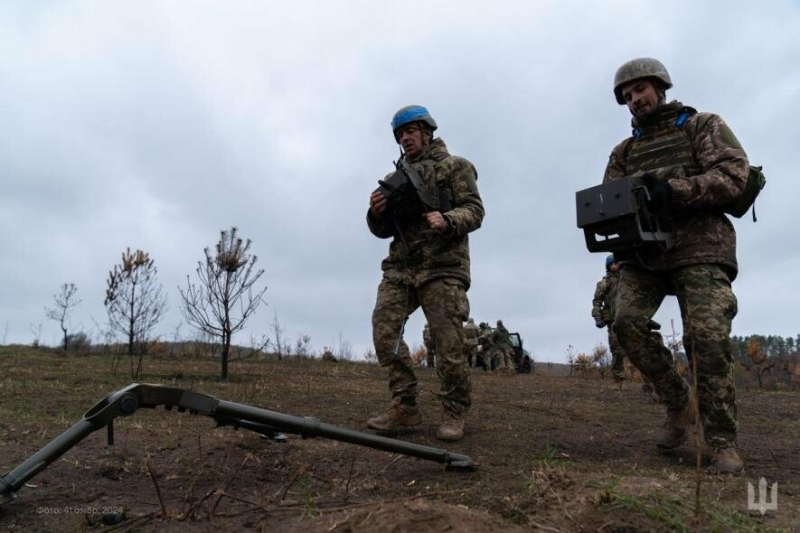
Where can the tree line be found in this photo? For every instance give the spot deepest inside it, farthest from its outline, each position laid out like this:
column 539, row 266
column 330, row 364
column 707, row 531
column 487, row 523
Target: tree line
column 768, row 361
column 773, row 345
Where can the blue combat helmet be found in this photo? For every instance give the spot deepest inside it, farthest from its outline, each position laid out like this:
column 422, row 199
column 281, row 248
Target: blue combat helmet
column 412, row 113
column 609, row 261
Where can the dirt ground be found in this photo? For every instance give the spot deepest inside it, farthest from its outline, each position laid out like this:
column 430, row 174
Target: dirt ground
column 555, row 453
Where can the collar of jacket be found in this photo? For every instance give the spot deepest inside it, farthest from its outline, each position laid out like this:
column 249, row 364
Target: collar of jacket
column 667, row 113
column 437, row 151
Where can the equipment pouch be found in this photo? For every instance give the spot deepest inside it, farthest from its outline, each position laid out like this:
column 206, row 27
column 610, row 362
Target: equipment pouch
column 755, row 182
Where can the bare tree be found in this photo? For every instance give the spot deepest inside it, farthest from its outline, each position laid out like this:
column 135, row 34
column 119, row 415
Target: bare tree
column 345, row 351
column 674, row 344
column 105, row 333
column 65, row 301
column 370, row 356
column 571, row 356
column 135, row 302
column 601, row 359
column 224, row 298
column 279, row 333
column 302, row 345
column 176, row 340
column 37, row 334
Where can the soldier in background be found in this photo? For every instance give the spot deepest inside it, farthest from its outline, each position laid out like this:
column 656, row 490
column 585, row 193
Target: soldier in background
column 694, row 169
column 603, row 314
column 430, row 346
column 471, row 333
column 502, row 349
column 328, row 356
column 485, row 346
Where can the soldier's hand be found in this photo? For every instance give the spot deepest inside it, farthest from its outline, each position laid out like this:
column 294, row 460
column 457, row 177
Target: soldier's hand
column 437, row 221
column 653, row 325
column 599, row 323
column 660, row 193
column 377, row 204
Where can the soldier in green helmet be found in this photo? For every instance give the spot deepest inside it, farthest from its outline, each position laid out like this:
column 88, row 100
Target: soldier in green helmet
column 603, row 314
column 694, row 168
column 503, row 361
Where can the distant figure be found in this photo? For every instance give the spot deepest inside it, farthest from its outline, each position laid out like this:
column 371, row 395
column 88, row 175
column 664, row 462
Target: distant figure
column 603, row 314
column 485, row 346
column 503, row 359
column 695, row 170
column 471, row 333
column 428, row 266
column 430, row 345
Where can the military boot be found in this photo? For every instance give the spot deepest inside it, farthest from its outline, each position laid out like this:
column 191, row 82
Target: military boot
column 399, row 414
column 674, row 432
column 725, row 459
column 452, row 427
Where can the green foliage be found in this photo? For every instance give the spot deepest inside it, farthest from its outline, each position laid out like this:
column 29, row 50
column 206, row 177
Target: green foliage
column 773, row 345
column 670, row 510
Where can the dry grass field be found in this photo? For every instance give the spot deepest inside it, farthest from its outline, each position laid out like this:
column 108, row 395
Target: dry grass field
column 556, row 453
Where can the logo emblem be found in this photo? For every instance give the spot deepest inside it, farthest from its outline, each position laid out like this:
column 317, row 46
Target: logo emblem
column 762, row 505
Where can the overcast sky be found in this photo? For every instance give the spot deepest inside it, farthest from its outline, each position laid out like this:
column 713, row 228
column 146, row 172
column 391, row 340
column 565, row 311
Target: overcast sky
column 156, row 124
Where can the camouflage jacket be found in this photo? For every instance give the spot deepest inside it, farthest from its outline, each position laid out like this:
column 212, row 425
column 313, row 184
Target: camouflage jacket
column 706, row 168
column 485, row 337
column 500, row 336
column 471, row 333
column 421, row 253
column 603, row 301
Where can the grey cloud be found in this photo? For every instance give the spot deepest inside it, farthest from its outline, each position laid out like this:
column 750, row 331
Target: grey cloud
column 155, row 126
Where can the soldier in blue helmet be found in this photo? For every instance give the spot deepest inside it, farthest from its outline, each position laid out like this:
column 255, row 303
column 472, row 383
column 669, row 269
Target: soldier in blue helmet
column 428, row 266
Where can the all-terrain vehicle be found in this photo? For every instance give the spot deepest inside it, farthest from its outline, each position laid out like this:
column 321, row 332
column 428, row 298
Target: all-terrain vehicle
column 522, row 357
column 523, row 361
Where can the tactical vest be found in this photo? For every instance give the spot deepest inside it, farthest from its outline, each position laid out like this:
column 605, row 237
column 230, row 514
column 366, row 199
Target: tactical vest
column 612, row 280
column 662, row 144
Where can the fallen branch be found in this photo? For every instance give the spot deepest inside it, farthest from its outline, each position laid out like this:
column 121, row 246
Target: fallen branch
column 195, row 506
column 228, row 484
column 300, row 472
column 158, row 489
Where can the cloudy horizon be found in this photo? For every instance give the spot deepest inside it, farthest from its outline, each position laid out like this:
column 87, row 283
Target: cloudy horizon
column 155, row 125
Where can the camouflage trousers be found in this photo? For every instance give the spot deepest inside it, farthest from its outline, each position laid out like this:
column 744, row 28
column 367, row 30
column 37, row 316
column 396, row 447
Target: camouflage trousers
column 617, row 354
column 471, row 354
column 446, row 307
column 483, row 358
column 708, row 306
column 508, row 357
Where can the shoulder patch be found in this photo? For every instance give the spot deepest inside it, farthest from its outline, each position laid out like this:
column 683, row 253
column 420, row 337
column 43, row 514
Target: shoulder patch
column 701, row 121
column 728, row 137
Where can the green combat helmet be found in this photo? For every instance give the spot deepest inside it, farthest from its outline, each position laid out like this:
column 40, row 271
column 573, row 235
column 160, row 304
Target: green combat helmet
column 643, row 67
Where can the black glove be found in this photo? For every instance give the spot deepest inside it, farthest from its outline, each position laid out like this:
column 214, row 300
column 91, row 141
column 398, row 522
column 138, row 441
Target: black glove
column 660, row 193
column 599, row 323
